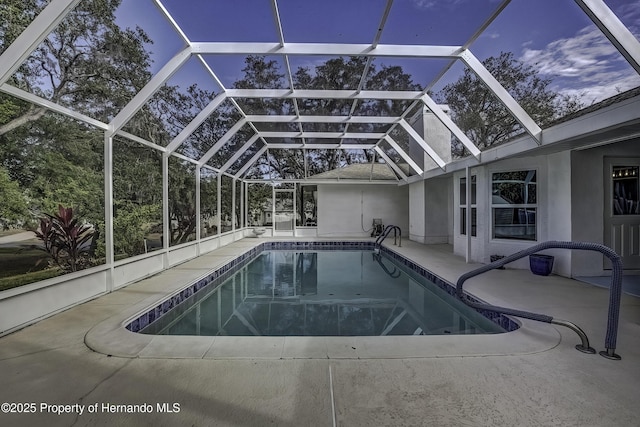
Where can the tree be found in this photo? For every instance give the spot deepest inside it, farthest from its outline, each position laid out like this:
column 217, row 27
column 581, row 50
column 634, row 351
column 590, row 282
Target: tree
column 484, row 119
column 13, row 205
column 87, row 62
column 339, row 74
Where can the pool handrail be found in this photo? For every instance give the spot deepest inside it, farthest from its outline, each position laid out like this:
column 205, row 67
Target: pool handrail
column 397, row 233
column 615, row 292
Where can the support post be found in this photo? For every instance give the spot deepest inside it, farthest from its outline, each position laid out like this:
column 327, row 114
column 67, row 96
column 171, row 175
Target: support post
column 108, row 209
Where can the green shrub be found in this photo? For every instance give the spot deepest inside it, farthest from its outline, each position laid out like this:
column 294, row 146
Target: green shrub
column 68, row 243
column 26, row 278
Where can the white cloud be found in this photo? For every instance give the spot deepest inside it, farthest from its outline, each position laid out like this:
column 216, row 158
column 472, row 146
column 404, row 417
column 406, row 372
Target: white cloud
column 490, row 35
column 431, row 4
column 424, row 4
column 586, row 64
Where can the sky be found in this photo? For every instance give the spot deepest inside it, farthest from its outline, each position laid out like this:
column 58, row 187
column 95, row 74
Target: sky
column 554, row 36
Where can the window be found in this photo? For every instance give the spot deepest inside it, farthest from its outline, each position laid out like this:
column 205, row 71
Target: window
column 625, row 190
column 463, row 207
column 307, row 206
column 514, row 198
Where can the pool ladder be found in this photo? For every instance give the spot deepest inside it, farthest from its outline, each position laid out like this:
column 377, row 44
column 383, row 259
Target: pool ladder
column 393, row 274
column 397, row 237
column 615, row 291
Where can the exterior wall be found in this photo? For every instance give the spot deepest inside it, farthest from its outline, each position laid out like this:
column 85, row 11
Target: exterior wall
column 431, row 211
column 483, row 194
column 559, row 211
column 571, row 207
column 349, row 209
column 437, row 219
column 306, row 232
column 553, row 210
column 588, row 204
column 417, row 206
column 430, row 201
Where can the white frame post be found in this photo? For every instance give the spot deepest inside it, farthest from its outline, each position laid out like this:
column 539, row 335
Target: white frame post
column 108, row 209
column 198, row 211
column 166, row 233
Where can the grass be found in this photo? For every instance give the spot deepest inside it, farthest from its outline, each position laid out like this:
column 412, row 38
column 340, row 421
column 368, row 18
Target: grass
column 22, row 265
column 20, row 260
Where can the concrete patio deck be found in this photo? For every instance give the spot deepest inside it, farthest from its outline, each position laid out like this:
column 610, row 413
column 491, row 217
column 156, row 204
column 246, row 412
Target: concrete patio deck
column 530, row 377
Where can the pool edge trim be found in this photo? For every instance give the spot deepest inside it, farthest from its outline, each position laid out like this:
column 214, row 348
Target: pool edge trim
column 111, row 338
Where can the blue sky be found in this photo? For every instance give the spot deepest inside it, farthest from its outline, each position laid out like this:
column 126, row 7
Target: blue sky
column 552, row 35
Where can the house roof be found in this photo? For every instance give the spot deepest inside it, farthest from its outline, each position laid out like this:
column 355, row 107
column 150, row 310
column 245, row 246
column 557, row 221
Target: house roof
column 360, row 171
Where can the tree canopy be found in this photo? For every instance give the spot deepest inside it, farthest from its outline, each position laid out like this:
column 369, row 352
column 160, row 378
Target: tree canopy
column 91, row 65
column 484, row 119
column 338, row 74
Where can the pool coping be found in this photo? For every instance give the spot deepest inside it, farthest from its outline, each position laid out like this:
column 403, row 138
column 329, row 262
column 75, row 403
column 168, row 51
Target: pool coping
column 112, row 338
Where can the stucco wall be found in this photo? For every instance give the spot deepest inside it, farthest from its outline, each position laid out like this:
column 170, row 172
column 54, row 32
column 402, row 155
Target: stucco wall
column 417, row 205
column 558, row 207
column 438, row 223
column 587, row 201
column 553, row 210
column 345, row 209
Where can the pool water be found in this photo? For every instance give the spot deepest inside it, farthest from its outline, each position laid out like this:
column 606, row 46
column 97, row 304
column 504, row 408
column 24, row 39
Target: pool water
column 322, row 293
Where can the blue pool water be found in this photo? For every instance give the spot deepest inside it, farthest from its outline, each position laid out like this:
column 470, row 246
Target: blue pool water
column 321, row 293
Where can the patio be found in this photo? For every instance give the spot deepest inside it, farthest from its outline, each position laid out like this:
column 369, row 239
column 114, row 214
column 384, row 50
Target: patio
column 544, row 382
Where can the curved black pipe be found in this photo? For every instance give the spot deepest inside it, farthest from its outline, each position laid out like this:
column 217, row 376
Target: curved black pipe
column 615, row 291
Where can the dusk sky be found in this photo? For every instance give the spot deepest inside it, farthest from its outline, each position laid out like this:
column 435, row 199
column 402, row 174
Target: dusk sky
column 555, row 36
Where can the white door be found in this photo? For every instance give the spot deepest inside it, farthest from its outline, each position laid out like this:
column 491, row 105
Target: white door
column 622, row 210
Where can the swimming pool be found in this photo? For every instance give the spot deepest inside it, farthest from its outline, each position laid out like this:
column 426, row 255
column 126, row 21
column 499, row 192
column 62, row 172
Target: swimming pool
column 317, row 289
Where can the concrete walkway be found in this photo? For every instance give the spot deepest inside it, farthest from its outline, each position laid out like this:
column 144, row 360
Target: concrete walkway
column 536, row 378
column 17, row 238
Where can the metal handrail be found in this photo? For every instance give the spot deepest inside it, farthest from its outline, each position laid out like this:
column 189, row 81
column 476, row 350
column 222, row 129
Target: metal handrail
column 397, row 233
column 615, row 292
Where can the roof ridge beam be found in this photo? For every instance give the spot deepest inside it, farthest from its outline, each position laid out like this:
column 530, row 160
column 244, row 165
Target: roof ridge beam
column 334, row 146
column 503, row 95
column 324, row 94
column 326, row 49
column 149, row 89
column 266, row 118
column 196, row 122
column 351, row 135
column 38, row 30
column 611, row 26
